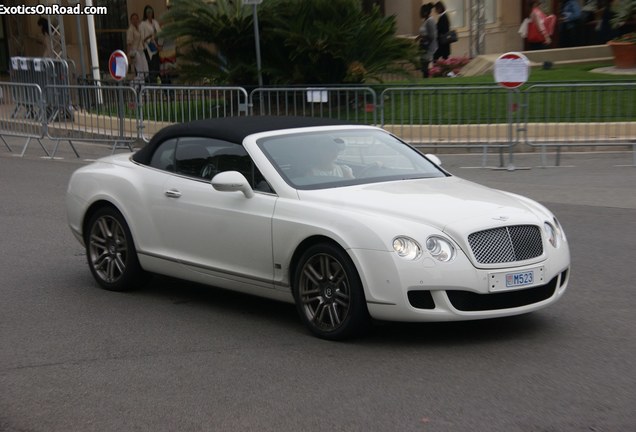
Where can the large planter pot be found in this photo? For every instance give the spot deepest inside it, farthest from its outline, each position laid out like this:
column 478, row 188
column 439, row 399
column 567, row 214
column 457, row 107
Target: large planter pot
column 624, row 54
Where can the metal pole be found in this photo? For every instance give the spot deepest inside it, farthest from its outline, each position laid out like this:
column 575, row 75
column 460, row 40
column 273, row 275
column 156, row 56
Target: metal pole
column 56, row 33
column 92, row 40
column 471, row 29
column 81, row 45
column 477, row 27
column 511, row 165
column 121, row 116
column 257, row 41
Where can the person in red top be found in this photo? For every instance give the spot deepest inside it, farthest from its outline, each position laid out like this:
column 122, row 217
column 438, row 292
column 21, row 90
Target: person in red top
column 538, row 32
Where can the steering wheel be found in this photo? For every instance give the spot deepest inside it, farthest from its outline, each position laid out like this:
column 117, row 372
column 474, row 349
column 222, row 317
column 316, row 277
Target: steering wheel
column 374, row 166
column 209, row 171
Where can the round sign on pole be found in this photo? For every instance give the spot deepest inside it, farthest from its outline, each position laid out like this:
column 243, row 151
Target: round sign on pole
column 118, row 65
column 512, row 70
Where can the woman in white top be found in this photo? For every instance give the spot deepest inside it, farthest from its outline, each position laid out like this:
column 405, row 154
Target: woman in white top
column 136, row 49
column 149, row 28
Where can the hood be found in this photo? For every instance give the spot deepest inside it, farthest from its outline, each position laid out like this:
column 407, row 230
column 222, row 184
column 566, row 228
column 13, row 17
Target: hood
column 449, row 204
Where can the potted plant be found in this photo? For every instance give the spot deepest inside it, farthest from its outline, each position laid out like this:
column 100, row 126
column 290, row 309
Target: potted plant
column 624, row 47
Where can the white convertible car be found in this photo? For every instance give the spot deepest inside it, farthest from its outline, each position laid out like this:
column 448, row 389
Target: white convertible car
column 348, row 222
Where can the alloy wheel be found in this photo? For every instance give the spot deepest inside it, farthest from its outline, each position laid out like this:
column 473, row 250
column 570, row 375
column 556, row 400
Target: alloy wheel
column 324, row 292
column 108, row 249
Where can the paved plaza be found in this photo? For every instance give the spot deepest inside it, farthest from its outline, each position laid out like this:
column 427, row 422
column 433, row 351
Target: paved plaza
column 179, row 356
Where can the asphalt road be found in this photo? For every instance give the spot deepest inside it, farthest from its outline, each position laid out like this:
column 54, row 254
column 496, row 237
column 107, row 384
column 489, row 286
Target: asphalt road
column 176, row 356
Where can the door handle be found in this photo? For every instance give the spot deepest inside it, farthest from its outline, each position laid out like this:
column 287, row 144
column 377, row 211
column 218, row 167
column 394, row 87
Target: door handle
column 173, row 193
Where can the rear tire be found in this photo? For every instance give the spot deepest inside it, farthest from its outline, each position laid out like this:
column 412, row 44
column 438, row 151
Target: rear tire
column 110, row 250
column 328, row 293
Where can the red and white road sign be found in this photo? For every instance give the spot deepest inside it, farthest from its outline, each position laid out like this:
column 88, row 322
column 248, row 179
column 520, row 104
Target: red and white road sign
column 118, row 65
column 512, row 70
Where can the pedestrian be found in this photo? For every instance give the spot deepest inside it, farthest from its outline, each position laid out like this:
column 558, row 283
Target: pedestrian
column 427, row 37
column 570, row 23
column 443, row 27
column 539, row 35
column 149, row 29
column 604, row 30
column 43, row 23
column 135, row 49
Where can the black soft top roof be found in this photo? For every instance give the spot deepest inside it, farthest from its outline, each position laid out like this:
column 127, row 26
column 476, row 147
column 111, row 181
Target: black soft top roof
column 232, row 129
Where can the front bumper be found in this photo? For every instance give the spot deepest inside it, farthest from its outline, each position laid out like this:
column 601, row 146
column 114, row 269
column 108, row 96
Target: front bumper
column 426, row 290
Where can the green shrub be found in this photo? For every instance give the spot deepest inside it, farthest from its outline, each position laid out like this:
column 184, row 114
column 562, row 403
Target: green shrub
column 302, row 42
column 625, row 13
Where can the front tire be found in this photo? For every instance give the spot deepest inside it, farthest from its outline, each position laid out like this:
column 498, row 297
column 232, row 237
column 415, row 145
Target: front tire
column 110, row 250
column 328, row 293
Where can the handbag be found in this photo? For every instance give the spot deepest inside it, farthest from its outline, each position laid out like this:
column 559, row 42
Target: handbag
column 424, row 43
column 534, row 35
column 448, row 38
column 152, row 49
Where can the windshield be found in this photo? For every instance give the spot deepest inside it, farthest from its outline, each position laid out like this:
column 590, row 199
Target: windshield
column 334, row 158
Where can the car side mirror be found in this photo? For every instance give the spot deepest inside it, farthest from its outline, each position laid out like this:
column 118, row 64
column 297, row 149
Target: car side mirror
column 437, row 161
column 232, row 181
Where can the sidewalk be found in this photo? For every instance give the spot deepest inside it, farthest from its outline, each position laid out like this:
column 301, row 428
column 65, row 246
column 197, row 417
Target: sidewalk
column 602, row 179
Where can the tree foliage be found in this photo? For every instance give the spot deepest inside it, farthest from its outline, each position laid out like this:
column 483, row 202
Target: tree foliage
column 625, row 14
column 302, row 41
column 215, row 39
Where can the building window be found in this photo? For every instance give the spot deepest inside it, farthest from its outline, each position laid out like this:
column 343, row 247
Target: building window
column 459, row 12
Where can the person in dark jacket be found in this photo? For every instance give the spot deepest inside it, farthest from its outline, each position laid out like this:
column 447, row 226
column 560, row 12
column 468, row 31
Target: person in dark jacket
column 443, row 27
column 605, row 31
column 570, row 23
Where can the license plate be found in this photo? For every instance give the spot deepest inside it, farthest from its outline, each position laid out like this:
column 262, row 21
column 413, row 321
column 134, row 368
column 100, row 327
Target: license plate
column 519, row 279
column 515, row 280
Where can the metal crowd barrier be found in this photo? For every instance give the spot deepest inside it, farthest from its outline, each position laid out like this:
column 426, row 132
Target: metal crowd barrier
column 164, row 105
column 49, row 74
column 355, row 104
column 22, row 114
column 99, row 114
column 452, row 116
column 467, row 117
column 27, row 70
column 581, row 114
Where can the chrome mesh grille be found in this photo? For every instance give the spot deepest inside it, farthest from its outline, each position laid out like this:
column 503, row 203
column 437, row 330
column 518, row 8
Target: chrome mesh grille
column 506, row 244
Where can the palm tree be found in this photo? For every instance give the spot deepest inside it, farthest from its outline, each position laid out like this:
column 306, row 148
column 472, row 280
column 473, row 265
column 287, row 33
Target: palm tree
column 334, row 41
column 215, row 39
column 303, row 41
column 625, row 14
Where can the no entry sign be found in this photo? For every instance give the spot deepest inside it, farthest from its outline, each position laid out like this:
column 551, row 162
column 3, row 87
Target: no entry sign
column 118, row 65
column 512, row 70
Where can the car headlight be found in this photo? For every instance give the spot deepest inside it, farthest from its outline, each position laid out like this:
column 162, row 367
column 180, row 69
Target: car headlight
column 440, row 248
column 407, row 248
column 552, row 233
column 559, row 229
